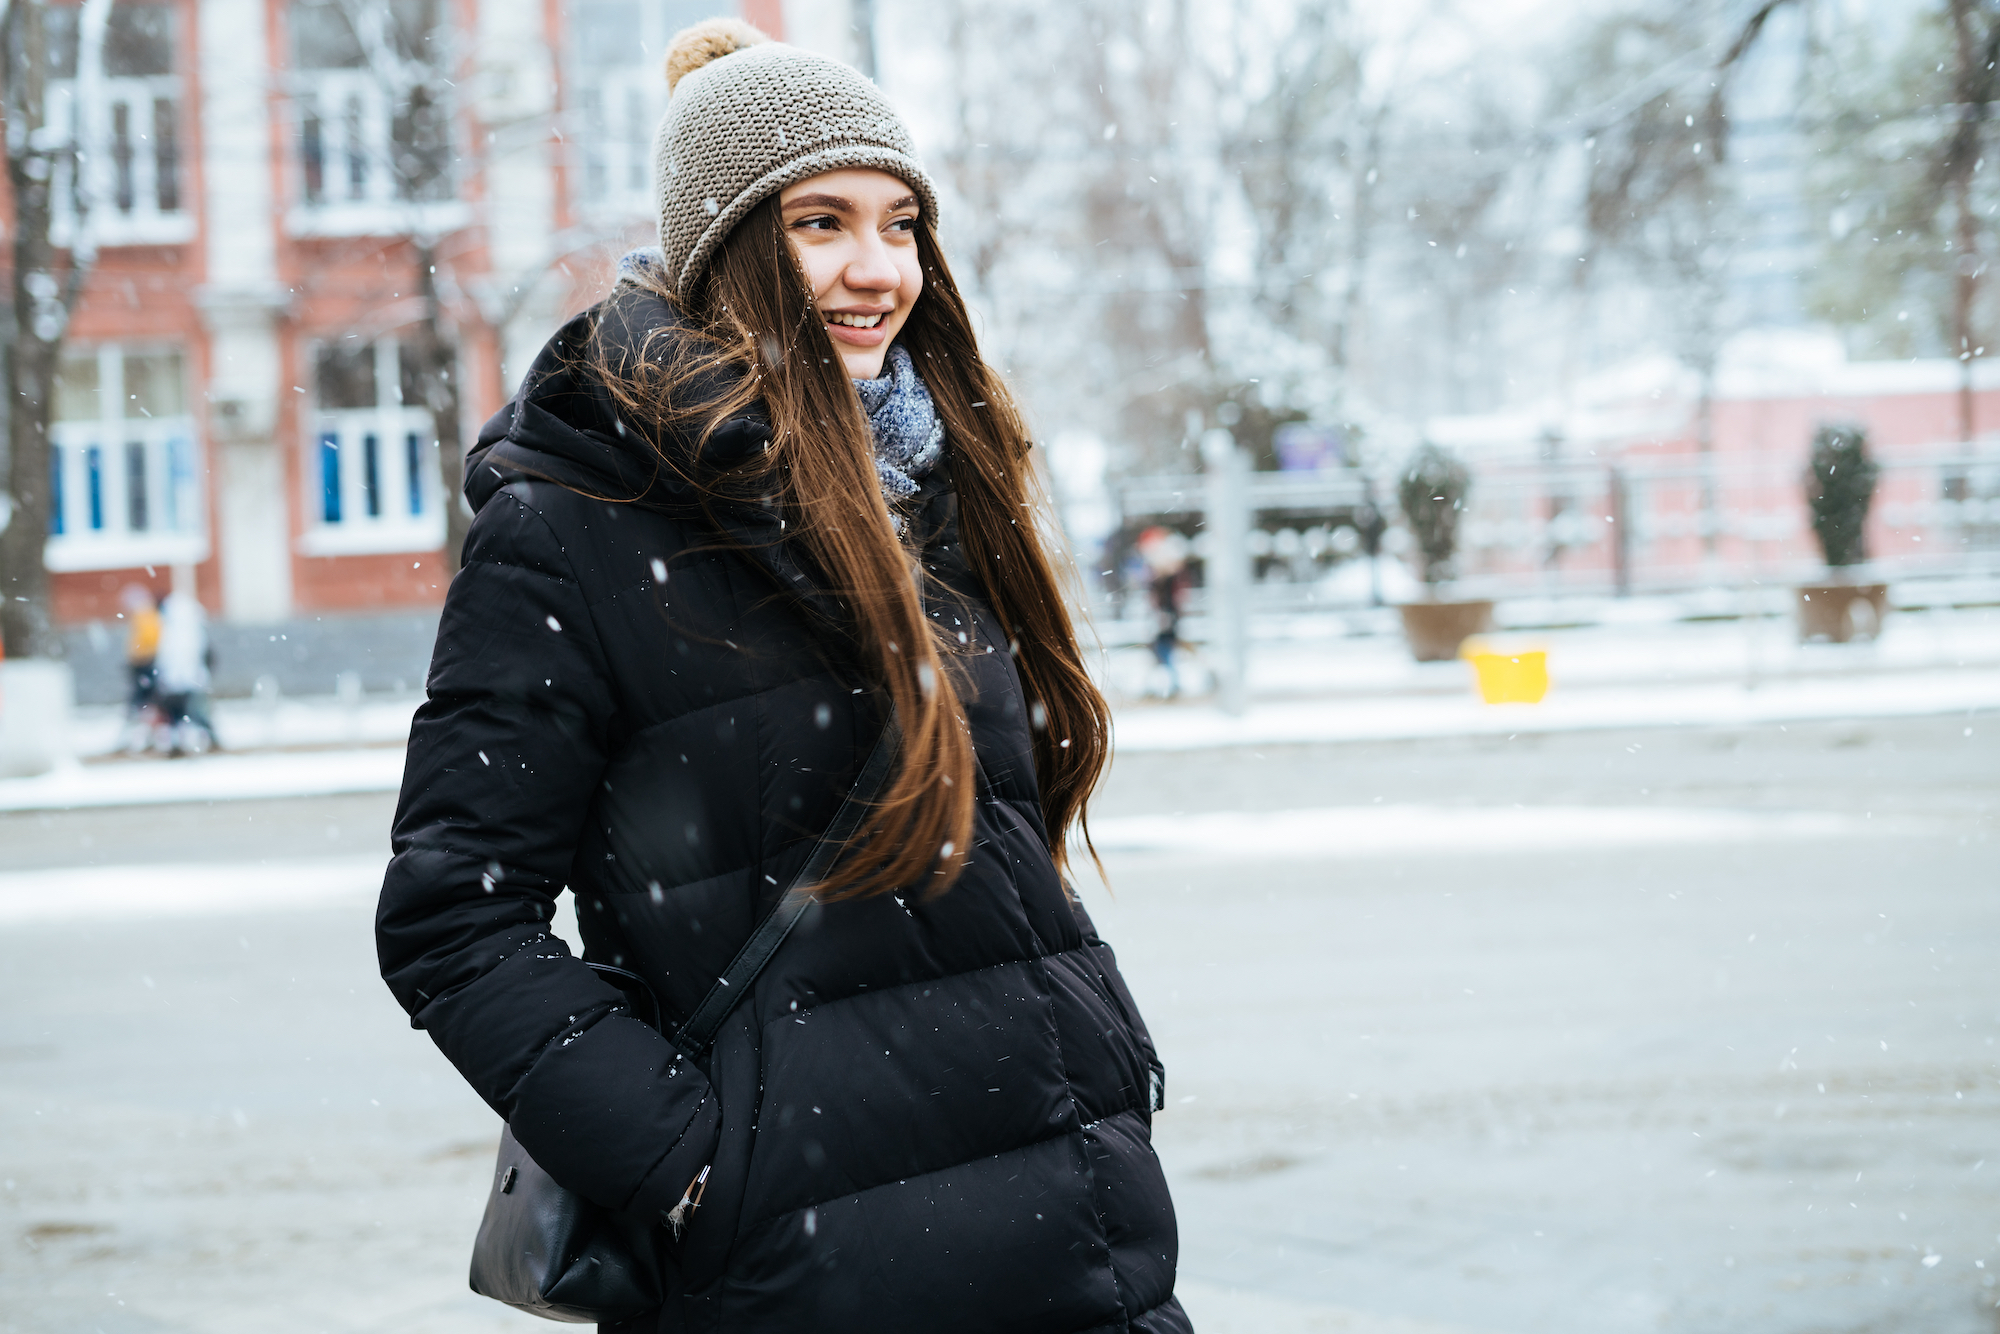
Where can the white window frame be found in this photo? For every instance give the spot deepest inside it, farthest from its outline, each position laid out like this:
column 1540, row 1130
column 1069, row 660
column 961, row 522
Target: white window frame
column 611, row 141
column 392, row 527
column 610, row 116
column 176, row 532
column 356, row 120
column 94, row 139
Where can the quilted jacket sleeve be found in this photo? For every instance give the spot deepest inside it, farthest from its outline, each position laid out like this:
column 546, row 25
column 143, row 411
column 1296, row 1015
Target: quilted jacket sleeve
column 504, row 757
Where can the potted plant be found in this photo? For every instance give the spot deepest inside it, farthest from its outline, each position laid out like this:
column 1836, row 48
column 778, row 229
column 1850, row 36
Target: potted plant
column 1840, row 487
column 1432, row 492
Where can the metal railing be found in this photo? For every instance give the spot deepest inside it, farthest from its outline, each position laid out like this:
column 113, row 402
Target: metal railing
column 1645, row 525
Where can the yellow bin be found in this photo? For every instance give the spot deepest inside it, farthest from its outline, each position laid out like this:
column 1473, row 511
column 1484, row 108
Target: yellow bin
column 1509, row 678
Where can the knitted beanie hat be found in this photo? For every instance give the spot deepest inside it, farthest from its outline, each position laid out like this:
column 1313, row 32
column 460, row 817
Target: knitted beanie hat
column 747, row 117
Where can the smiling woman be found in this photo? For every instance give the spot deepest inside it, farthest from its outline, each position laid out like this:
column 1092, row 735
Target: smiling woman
column 756, row 529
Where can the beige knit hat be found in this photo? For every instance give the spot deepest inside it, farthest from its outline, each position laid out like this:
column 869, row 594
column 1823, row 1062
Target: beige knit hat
column 749, row 116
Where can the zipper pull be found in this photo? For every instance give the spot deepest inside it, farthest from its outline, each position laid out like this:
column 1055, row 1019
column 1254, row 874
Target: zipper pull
column 690, row 1201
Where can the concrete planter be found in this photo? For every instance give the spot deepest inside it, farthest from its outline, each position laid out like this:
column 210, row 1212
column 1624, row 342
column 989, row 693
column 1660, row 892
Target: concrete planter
column 1840, row 613
column 1436, row 629
column 35, row 701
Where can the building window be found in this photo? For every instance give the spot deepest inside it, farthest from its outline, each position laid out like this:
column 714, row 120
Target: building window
column 374, row 453
column 615, row 51
column 372, row 96
column 121, row 178
column 126, row 480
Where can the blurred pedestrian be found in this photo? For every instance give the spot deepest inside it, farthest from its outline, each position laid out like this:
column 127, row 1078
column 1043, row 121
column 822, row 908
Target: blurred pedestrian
column 181, row 669
column 760, row 512
column 142, row 648
column 1165, row 553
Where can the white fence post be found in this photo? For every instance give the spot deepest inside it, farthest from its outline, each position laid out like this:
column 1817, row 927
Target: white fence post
column 35, row 700
column 1227, row 564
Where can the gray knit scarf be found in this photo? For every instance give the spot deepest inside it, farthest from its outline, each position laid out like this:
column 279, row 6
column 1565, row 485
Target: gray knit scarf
column 909, row 434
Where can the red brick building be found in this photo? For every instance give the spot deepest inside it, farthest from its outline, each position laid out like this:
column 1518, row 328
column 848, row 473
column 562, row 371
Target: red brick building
column 233, row 407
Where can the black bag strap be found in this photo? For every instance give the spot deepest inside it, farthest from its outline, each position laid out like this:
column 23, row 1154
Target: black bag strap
column 694, row 1036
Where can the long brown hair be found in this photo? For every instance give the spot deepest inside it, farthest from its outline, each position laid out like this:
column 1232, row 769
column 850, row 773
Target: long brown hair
column 752, row 328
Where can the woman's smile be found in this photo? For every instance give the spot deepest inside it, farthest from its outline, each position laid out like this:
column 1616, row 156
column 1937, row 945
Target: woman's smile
column 857, row 328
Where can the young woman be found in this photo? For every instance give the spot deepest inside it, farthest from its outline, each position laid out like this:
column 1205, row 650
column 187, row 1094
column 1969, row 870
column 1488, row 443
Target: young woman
column 764, row 496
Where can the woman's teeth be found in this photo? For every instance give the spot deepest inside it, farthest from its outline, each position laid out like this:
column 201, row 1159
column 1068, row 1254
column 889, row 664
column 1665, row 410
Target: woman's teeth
column 855, row 321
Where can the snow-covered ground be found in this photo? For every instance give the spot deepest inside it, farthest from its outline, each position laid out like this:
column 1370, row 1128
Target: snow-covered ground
column 209, row 778
column 1347, row 832
column 1973, row 693
column 127, row 892
column 1437, row 700
column 1309, row 685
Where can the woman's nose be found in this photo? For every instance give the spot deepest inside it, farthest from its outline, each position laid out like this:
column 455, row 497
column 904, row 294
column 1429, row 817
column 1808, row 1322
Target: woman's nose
column 872, row 269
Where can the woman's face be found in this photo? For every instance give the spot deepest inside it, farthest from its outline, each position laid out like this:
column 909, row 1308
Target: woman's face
column 856, row 235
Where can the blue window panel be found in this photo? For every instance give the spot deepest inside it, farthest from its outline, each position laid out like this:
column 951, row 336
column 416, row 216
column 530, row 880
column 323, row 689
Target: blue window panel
column 138, row 513
column 413, row 461
column 180, row 485
column 329, row 477
column 312, row 155
column 93, row 465
column 55, row 490
column 371, row 475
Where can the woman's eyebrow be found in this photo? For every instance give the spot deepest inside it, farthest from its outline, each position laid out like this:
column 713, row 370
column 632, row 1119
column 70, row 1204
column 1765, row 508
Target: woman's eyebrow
column 840, row 205
column 834, row 202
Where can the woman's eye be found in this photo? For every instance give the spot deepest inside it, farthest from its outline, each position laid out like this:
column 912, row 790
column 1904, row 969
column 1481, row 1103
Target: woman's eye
column 819, row 224
column 903, row 225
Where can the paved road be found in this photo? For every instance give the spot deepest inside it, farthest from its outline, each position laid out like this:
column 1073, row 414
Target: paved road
column 1608, row 1078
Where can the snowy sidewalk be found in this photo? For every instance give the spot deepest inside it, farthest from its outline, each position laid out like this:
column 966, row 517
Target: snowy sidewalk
column 1307, row 688
column 1971, row 692
column 210, row 778
column 1398, row 717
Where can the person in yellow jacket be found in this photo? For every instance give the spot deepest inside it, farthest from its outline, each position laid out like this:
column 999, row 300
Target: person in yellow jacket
column 142, row 649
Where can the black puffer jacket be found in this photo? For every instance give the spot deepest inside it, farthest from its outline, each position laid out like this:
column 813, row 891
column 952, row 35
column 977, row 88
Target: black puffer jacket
column 928, row 1114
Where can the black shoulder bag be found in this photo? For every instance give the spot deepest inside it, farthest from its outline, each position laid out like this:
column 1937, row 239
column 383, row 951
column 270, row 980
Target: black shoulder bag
column 553, row 1253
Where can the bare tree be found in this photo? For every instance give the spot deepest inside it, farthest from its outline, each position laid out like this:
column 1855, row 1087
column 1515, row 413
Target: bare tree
column 1909, row 196
column 1659, row 194
column 1296, row 152
column 1457, row 177
column 993, row 161
column 1146, row 209
column 1111, row 171
column 1975, row 86
column 48, row 282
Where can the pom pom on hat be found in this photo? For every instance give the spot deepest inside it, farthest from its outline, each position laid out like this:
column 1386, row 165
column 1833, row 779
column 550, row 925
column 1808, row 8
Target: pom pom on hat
column 711, row 39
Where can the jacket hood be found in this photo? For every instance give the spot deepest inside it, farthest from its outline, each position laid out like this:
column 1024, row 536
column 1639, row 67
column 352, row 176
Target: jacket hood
column 563, row 426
